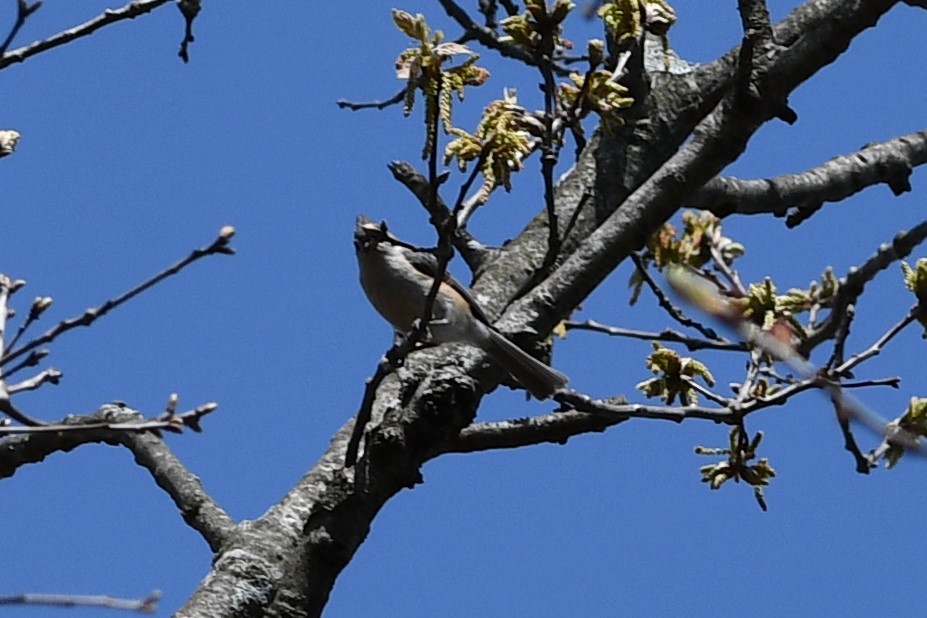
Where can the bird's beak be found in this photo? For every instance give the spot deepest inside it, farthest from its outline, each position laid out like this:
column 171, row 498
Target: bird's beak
column 367, row 232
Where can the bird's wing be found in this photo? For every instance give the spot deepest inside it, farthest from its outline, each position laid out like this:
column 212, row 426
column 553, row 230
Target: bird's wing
column 427, row 264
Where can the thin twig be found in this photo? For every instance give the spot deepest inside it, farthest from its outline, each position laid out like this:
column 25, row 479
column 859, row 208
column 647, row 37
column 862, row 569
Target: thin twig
column 718, row 399
column 853, row 284
column 109, row 16
column 173, row 423
column 578, row 401
column 392, row 359
column 877, row 347
column 664, row 302
column 693, row 344
column 397, row 98
column 189, row 9
column 148, row 605
column 23, row 11
column 219, row 246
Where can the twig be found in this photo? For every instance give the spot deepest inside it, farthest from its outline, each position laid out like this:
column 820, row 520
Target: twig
column 148, row 605
column 572, row 400
column 557, row 428
column 173, row 423
column 550, row 152
column 219, row 246
column 469, row 248
column 725, row 269
column 109, row 16
column 664, row 302
column 489, row 39
column 838, row 355
column 34, row 358
column 876, row 348
column 718, row 399
column 189, row 9
column 49, row 376
column 863, row 464
column 23, row 11
column 39, row 305
column 692, row 344
column 397, row 98
column 852, row 285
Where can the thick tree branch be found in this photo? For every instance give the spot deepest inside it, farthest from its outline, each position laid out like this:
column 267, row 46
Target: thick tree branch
column 889, row 162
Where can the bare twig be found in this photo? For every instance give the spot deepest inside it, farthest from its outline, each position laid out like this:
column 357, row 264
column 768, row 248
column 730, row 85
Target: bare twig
column 219, row 246
column 692, row 343
column 718, row 399
column 23, row 11
column 879, row 344
column 189, row 9
column 664, row 302
column 148, row 605
column 572, row 400
column 166, row 422
column 852, row 285
column 445, row 228
column 115, row 424
column 397, row 98
column 34, row 358
column 109, row 16
column 49, row 376
column 470, row 250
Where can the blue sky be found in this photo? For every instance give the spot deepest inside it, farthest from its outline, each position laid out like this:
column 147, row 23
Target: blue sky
column 129, row 159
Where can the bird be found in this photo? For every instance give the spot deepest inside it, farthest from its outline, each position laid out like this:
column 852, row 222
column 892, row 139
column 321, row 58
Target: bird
column 397, row 280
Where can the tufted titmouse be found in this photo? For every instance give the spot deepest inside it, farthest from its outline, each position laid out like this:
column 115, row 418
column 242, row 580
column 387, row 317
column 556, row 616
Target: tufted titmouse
column 397, row 281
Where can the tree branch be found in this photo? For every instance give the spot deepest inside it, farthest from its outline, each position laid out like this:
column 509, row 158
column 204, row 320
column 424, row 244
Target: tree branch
column 148, row 605
column 489, row 39
column 116, row 425
column 557, row 427
column 109, row 16
column 889, row 162
column 219, row 246
column 197, row 508
column 852, row 285
column 692, row 343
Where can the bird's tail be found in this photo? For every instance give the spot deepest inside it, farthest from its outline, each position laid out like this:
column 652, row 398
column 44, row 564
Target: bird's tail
column 539, row 379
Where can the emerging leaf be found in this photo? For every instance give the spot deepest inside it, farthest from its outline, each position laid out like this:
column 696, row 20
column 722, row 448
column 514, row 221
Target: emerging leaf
column 529, row 29
column 424, row 68
column 674, row 375
column 500, row 143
